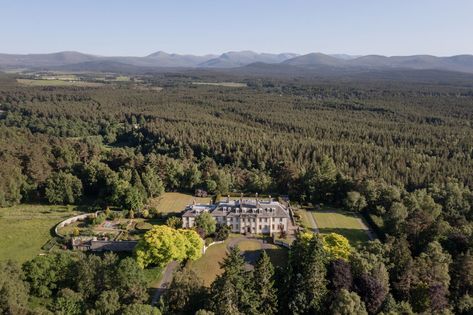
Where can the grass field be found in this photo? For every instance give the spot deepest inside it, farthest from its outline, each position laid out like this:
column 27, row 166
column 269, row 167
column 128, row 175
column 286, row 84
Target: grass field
column 172, row 202
column 41, row 82
column 26, row 228
column 225, row 84
column 347, row 224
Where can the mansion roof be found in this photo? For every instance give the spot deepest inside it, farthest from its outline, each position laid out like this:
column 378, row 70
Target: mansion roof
column 233, row 208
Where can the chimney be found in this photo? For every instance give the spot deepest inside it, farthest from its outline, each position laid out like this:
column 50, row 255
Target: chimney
column 270, row 198
column 228, row 198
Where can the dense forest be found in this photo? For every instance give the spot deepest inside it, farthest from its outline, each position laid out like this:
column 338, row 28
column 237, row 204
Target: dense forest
column 401, row 154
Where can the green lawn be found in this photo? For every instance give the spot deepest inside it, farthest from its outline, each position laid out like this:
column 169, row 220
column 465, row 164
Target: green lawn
column 345, row 223
column 175, row 202
column 26, row 228
column 208, row 268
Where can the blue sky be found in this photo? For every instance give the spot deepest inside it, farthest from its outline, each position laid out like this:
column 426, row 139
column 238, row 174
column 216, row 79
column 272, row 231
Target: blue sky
column 140, row 27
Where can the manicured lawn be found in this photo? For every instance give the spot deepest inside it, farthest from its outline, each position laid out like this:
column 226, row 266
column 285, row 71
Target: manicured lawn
column 249, row 245
column 208, row 268
column 175, row 202
column 26, row 228
column 347, row 224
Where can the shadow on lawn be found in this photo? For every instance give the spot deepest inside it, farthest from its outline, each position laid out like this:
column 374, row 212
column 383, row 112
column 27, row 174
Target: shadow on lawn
column 278, row 256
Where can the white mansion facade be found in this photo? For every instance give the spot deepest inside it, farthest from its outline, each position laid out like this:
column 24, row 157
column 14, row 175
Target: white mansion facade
column 243, row 216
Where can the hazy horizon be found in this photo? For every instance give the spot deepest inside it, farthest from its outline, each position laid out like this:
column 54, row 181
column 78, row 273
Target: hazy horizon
column 120, row 28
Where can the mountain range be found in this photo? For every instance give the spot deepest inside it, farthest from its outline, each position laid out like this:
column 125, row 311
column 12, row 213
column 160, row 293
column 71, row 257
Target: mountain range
column 248, row 60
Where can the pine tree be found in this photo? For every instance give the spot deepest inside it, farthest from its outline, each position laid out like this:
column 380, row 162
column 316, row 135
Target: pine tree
column 264, row 286
column 306, row 282
column 233, row 291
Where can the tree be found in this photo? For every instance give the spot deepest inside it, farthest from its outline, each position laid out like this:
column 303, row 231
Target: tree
column 174, row 222
column 69, row 302
column 337, row 246
column 306, row 284
column 206, row 222
column 152, row 182
column 395, row 218
column 204, row 312
column 46, row 274
column 13, row 289
column 140, row 309
column 162, row 244
column 63, row 188
column 131, row 282
column 339, row 275
column 371, row 291
column 133, row 198
column 232, row 292
column 355, row 201
column 108, row 303
column 266, row 294
column 347, row 303
column 186, row 293
column 194, row 244
column 431, row 279
column 222, row 232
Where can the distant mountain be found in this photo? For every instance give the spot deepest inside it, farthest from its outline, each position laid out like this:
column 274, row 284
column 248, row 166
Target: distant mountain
column 54, row 59
column 235, row 59
column 323, row 63
column 315, row 59
column 460, row 63
column 163, row 59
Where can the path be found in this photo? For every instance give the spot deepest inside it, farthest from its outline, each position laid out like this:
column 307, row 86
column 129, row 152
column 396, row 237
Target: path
column 314, row 228
column 164, row 282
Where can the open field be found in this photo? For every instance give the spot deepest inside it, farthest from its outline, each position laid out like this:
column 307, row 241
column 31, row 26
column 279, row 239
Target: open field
column 345, row 223
column 42, row 82
column 225, row 84
column 26, row 228
column 172, row 202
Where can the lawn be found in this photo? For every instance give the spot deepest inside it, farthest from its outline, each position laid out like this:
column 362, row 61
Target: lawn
column 26, row 228
column 208, row 268
column 345, row 223
column 173, row 202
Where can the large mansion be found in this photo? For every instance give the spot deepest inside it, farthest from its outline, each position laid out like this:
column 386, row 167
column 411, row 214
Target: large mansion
column 243, row 216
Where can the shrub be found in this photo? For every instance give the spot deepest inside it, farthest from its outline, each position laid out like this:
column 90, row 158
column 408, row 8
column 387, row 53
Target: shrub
column 143, row 226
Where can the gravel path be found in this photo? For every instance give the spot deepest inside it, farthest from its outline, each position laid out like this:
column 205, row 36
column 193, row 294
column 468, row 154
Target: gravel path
column 165, row 281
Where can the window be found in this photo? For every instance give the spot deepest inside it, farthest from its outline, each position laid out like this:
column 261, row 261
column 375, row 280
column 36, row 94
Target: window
column 265, row 220
column 280, row 220
column 260, row 227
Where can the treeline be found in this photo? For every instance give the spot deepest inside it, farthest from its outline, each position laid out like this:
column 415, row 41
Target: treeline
column 375, row 279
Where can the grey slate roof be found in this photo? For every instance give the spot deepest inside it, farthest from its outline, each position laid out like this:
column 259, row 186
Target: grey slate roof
column 236, row 208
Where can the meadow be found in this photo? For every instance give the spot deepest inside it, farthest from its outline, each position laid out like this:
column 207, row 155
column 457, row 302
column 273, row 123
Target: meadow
column 26, row 228
column 56, row 82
